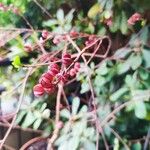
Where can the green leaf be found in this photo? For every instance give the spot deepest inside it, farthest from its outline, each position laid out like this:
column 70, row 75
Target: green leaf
column 84, row 87
column 102, row 70
column 115, row 96
column 60, row 16
column 75, row 105
column 99, row 81
column 16, row 62
column 29, row 119
column 137, row 146
column 37, row 123
column 140, row 109
column 65, row 113
column 122, row 52
column 116, row 144
column 50, row 23
column 43, row 107
column 124, row 26
column 20, row 116
column 46, row 113
column 135, row 61
column 73, row 143
column 146, row 56
column 69, row 16
column 94, row 10
column 88, row 145
column 123, row 67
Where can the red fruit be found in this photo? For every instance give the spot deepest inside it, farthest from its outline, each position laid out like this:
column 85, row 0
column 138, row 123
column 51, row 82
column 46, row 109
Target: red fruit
column 49, row 90
column 38, row 90
column 72, row 72
column 77, row 66
column 54, row 69
column 66, row 59
column 28, row 47
column 62, row 77
column 45, row 34
column 46, row 80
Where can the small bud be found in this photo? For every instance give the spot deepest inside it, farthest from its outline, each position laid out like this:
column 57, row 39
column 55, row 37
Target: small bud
column 72, row 72
column 38, row 90
column 59, row 125
column 45, row 34
column 28, row 47
column 134, row 18
column 77, row 66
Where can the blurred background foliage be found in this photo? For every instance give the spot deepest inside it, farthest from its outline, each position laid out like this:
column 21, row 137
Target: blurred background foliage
column 115, row 81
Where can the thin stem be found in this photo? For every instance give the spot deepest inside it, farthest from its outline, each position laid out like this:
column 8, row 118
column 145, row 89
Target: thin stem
column 56, row 131
column 18, row 108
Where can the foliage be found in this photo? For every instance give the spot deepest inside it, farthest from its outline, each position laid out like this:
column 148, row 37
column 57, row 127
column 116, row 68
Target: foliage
column 121, row 79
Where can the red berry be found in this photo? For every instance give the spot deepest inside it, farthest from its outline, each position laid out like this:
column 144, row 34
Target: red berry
column 45, row 34
column 72, row 72
column 53, row 69
column 66, row 59
column 62, row 77
column 77, row 66
column 38, row 90
column 49, row 90
column 46, row 80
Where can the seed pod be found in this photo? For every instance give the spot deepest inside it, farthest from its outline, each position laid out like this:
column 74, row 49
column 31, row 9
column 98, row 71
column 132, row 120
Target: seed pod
column 66, row 59
column 46, row 80
column 62, row 77
column 38, row 90
column 50, row 89
column 53, row 69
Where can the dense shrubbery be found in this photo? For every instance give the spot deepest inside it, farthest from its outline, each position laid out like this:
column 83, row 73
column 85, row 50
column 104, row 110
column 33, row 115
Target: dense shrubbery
column 102, row 102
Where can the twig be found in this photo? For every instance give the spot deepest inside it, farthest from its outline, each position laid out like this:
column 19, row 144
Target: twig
column 119, row 138
column 42, row 8
column 56, row 131
column 147, row 140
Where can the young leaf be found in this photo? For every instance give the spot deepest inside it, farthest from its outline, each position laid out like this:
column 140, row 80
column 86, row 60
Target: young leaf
column 16, row 62
column 94, row 10
column 60, row 15
column 115, row 96
column 84, row 87
column 75, row 105
column 29, row 119
column 140, row 109
column 65, row 113
column 37, row 123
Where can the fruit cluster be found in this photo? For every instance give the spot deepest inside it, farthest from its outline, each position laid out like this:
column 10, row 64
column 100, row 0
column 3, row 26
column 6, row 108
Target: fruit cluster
column 49, row 80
